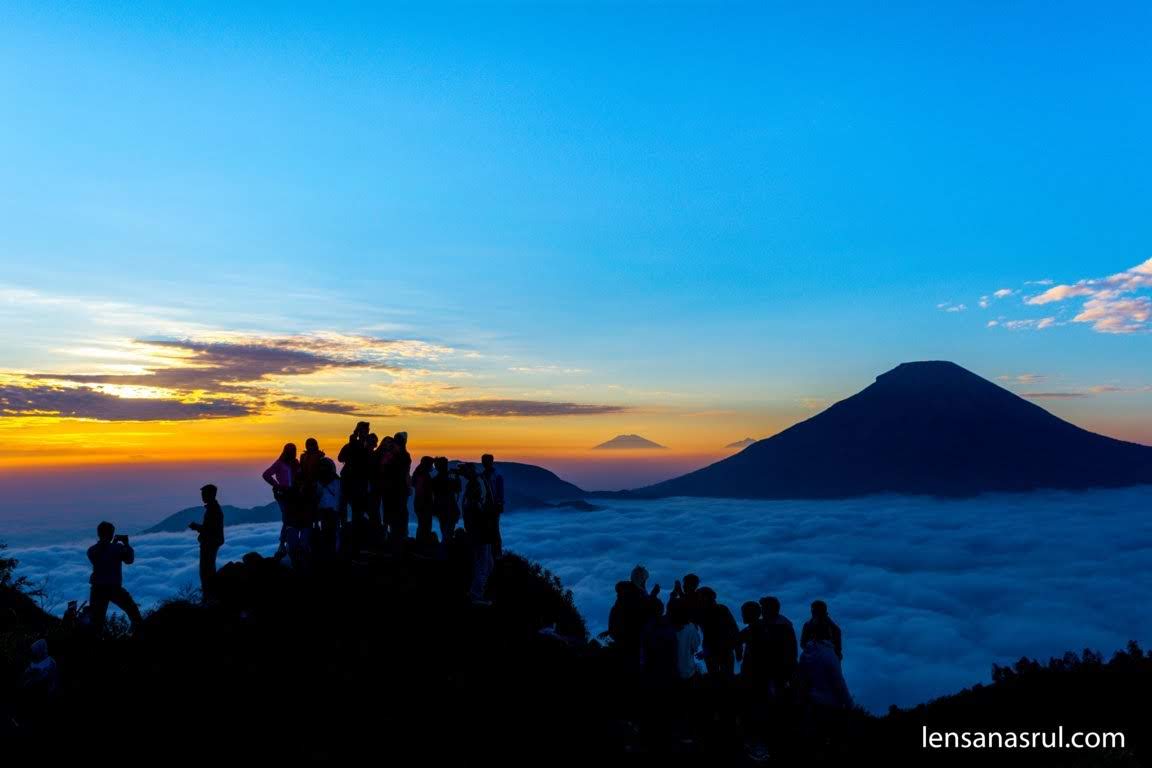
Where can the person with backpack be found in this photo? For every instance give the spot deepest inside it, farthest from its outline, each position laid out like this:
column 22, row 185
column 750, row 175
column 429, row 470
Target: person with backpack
column 211, row 538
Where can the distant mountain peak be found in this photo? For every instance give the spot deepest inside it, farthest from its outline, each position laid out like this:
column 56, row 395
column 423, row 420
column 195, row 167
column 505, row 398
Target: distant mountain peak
column 628, row 442
column 925, row 427
column 742, row 443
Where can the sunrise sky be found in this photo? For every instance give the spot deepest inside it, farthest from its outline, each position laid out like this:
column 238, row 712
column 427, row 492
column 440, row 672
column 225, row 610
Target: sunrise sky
column 530, row 229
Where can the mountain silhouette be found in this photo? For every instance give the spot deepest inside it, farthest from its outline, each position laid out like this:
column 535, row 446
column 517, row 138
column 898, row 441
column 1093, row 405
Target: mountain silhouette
column 742, row 443
column 178, row 521
column 922, row 428
column 527, row 487
column 627, row 442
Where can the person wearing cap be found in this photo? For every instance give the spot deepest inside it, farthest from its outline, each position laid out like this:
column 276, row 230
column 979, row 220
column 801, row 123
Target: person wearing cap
column 211, row 538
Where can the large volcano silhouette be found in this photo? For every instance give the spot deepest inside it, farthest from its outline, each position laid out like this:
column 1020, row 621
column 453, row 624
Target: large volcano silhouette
column 924, row 428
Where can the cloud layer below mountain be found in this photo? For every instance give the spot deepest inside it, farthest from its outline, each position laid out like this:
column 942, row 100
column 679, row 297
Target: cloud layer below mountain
column 929, row 593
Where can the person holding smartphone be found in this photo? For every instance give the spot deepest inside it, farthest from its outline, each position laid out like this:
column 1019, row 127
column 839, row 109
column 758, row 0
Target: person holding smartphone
column 108, row 556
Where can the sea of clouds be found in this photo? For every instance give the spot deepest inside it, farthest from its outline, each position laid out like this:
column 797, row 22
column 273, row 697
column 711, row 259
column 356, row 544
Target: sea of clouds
column 929, row 593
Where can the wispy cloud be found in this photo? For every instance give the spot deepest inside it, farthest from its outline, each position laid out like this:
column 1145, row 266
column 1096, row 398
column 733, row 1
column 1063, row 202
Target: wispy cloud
column 948, row 306
column 1097, row 389
column 516, row 408
column 1118, row 303
column 987, row 300
column 1039, row 324
column 1023, row 378
column 546, row 369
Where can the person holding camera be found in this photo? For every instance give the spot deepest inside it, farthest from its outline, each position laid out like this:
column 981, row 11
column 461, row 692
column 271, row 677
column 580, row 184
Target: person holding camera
column 108, row 557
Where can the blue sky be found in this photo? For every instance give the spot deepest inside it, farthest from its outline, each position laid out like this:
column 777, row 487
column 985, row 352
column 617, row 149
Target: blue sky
column 725, row 207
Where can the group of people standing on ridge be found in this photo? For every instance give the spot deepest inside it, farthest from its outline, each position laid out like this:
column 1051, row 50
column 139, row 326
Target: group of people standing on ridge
column 325, row 511
column 665, row 642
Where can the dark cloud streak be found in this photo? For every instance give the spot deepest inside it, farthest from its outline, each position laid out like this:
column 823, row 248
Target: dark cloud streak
column 85, row 403
column 321, row 406
column 516, row 408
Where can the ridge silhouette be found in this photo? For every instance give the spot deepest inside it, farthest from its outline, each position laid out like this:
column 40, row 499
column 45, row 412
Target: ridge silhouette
column 385, row 658
column 928, row 427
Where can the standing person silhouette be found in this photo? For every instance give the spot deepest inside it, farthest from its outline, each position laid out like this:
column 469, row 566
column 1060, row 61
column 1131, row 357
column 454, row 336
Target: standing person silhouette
column 721, row 635
column 479, row 522
column 395, row 486
column 688, row 595
column 781, row 645
column 493, row 499
column 446, row 500
column 635, row 606
column 376, row 454
column 309, row 473
column 356, row 459
column 422, row 499
column 473, row 497
column 108, row 556
column 328, row 496
column 817, row 624
column 283, row 476
column 211, row 538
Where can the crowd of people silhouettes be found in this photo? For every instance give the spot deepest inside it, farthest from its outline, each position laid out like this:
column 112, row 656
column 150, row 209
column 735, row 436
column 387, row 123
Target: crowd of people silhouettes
column 666, row 642
column 326, row 513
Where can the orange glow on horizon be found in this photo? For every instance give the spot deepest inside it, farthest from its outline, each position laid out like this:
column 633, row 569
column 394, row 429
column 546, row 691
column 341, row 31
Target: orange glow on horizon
column 52, row 442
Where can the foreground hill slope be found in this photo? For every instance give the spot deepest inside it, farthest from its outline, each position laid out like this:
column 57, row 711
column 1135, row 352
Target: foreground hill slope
column 384, row 659
column 924, row 428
